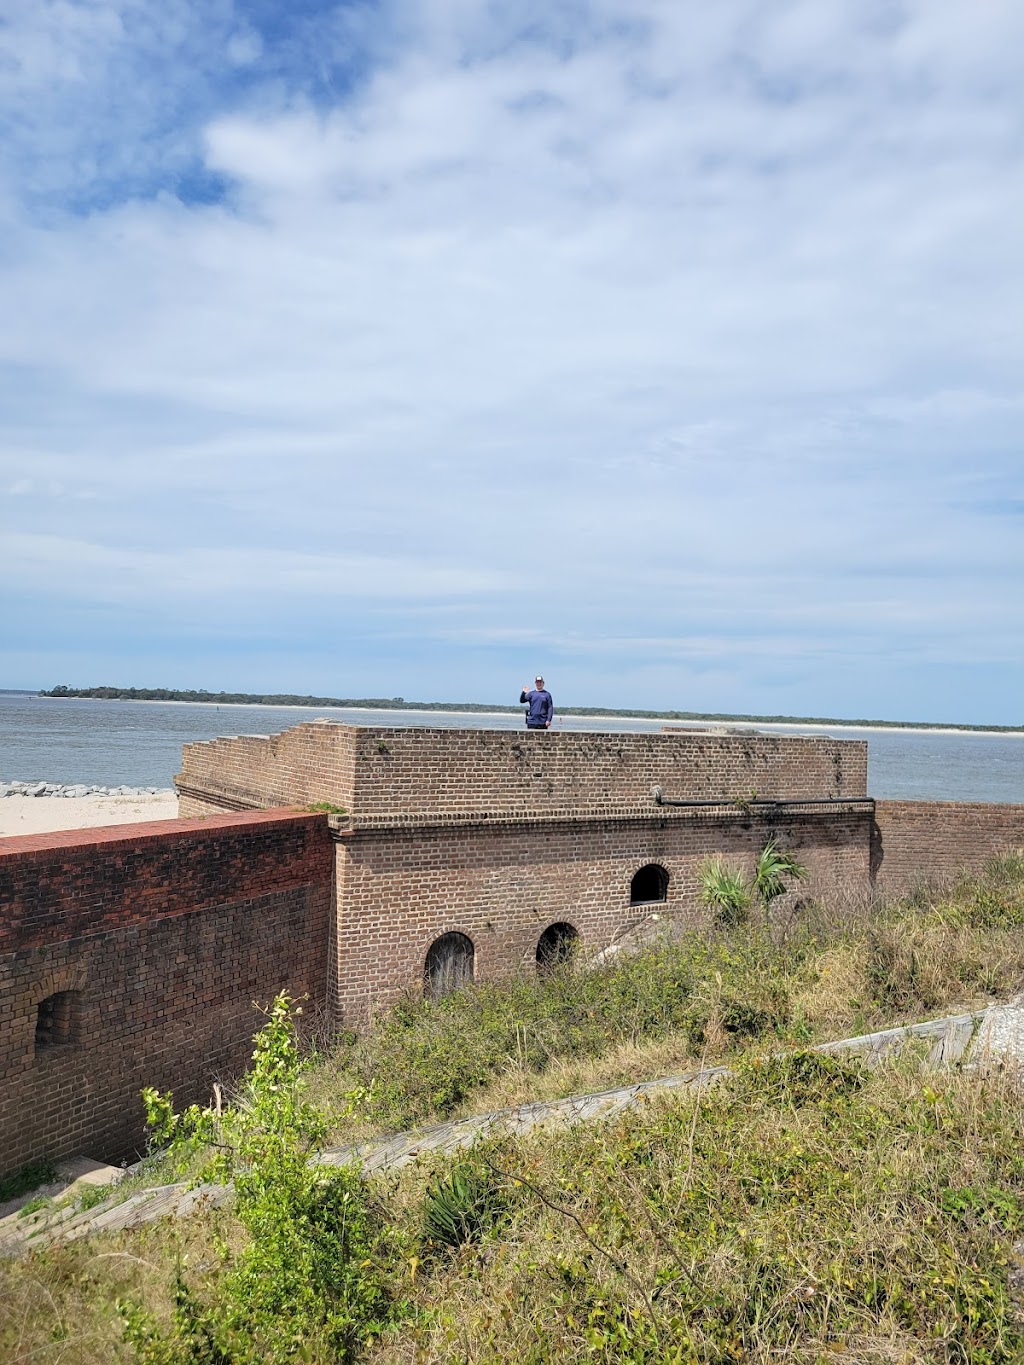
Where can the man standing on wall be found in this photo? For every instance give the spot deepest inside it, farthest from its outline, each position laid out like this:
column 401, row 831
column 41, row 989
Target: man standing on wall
column 541, row 707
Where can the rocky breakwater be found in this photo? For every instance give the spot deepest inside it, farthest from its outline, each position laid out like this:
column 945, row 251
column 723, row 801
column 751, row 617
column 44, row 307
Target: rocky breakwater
column 76, row 789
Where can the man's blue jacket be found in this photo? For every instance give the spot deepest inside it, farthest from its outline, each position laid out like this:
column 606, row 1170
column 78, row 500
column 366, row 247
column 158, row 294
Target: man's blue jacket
column 542, row 708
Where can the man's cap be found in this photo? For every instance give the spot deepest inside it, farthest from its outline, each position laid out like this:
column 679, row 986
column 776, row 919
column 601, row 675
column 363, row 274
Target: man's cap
column 539, row 677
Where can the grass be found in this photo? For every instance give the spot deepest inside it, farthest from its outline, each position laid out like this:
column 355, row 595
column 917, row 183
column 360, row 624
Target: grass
column 28, row 1177
column 827, row 968
column 805, row 1210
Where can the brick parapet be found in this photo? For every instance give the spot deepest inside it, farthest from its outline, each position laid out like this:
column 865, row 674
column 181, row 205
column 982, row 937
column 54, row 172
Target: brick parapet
column 449, row 771
column 62, row 886
column 163, row 935
column 395, row 771
column 310, row 762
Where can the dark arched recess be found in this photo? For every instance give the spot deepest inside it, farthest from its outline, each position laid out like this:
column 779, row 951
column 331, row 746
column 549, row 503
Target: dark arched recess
column 555, row 946
column 448, row 965
column 649, row 885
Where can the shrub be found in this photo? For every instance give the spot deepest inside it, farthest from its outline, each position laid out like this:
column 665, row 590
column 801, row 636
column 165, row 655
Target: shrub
column 724, row 890
column 462, row 1203
column 308, row 1274
column 727, row 891
column 773, row 870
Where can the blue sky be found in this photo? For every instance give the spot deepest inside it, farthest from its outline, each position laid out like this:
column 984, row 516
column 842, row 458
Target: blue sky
column 673, row 348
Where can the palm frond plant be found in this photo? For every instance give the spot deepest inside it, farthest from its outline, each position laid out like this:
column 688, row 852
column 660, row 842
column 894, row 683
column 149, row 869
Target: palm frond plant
column 725, row 890
column 774, row 869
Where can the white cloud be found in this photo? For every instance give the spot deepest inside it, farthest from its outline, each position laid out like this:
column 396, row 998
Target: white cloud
column 244, row 47
column 138, row 574
column 677, row 317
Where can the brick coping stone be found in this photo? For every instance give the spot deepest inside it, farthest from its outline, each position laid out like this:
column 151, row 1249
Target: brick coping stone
column 135, row 833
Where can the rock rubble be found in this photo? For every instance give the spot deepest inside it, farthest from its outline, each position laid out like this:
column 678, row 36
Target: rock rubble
column 73, row 789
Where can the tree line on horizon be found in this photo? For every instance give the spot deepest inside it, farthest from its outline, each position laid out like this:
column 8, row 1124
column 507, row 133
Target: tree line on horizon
column 400, row 704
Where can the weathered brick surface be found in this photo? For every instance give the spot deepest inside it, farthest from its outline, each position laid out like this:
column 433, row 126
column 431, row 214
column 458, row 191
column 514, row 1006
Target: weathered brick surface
column 310, row 762
column 167, row 933
column 499, row 834
column 503, row 884
column 917, row 841
column 391, row 771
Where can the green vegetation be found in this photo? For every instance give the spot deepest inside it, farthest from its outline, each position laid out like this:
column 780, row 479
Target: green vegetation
column 813, row 970
column 725, row 890
column 431, row 1059
column 729, row 893
column 29, row 1177
column 254, row 698
column 804, row 1210
column 91, row 1195
column 306, row 1278
column 773, row 872
column 462, row 1203
column 400, row 704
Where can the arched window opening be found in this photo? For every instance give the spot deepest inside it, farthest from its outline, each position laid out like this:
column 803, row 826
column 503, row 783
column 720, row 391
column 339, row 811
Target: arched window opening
column 57, row 1020
column 448, row 966
column 556, row 946
column 649, row 885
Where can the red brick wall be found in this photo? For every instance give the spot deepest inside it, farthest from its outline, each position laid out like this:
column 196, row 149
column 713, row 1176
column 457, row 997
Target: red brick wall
column 311, row 762
column 502, row 885
column 918, row 841
column 390, row 771
column 500, row 833
column 168, row 932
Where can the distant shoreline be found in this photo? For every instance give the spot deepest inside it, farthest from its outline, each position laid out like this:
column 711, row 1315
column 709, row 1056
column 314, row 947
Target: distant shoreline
column 477, row 709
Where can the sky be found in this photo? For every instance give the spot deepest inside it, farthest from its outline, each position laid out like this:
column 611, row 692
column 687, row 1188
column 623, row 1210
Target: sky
column 672, row 349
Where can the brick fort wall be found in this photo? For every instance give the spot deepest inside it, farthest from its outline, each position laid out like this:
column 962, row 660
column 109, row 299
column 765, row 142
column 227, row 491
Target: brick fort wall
column 156, row 939
column 929, row 841
column 504, row 884
column 388, row 771
column 499, row 834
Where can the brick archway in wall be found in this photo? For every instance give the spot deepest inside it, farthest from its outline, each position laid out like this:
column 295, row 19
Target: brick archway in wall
column 54, row 1013
column 556, row 946
column 649, row 885
column 449, row 964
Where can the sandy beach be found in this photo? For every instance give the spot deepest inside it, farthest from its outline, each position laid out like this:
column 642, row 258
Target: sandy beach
column 41, row 814
column 341, row 715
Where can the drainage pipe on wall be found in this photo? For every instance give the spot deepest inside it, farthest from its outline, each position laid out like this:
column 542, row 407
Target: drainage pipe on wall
column 767, row 802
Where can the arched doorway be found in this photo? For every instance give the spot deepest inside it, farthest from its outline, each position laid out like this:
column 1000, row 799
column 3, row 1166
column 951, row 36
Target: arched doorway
column 448, row 965
column 649, row 885
column 556, row 946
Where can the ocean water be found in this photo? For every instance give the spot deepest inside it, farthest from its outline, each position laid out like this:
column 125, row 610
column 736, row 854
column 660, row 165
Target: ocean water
column 139, row 743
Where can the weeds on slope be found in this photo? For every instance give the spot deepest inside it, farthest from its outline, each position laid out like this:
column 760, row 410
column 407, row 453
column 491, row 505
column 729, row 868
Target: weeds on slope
column 821, row 968
column 428, row 1058
column 806, row 1210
